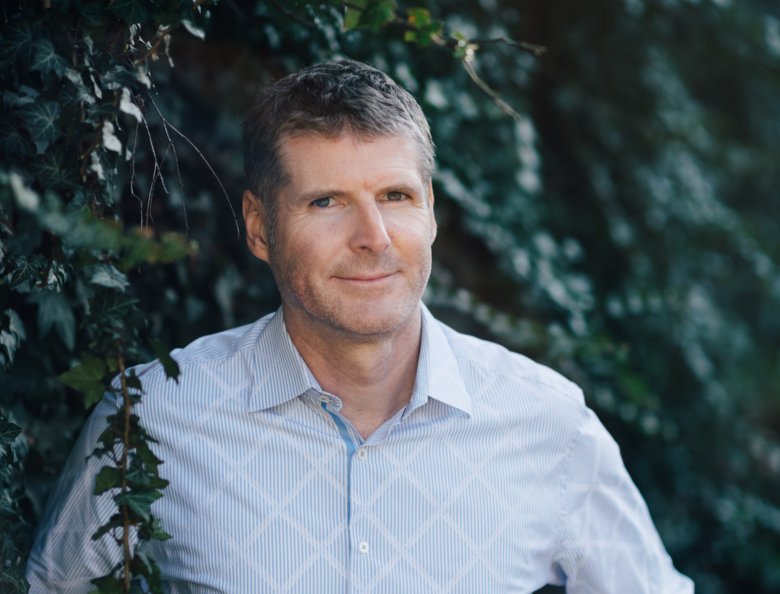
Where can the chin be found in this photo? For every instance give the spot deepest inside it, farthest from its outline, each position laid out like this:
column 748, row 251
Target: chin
column 358, row 323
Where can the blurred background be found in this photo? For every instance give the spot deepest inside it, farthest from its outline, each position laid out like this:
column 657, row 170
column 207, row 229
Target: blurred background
column 622, row 226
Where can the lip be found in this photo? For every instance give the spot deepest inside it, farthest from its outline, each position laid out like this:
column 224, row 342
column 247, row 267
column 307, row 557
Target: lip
column 367, row 278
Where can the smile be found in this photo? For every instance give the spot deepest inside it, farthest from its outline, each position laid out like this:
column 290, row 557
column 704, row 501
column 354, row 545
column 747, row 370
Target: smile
column 367, row 278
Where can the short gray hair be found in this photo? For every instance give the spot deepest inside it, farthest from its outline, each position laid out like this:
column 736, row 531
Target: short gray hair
column 328, row 99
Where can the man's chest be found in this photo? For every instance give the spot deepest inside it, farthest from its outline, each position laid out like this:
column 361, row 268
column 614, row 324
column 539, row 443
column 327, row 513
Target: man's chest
column 274, row 505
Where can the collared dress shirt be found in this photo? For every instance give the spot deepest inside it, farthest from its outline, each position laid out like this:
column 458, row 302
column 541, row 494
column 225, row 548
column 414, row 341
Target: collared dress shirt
column 495, row 478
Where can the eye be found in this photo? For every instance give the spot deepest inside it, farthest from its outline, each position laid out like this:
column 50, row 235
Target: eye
column 323, row 202
column 396, row 196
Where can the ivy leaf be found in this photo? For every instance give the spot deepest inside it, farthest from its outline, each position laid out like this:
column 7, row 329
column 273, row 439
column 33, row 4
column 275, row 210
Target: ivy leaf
column 108, row 276
column 146, row 567
column 352, row 16
column 40, row 120
column 6, row 509
column 8, row 432
column 193, row 29
column 19, row 43
column 46, row 59
column 11, row 337
column 108, row 478
column 139, row 503
column 169, row 364
column 378, row 14
column 127, row 106
column 108, row 584
column 142, row 478
column 82, row 93
column 153, row 531
column 54, row 311
column 133, row 381
column 110, row 140
column 52, row 172
column 11, row 141
column 87, row 378
column 173, row 247
column 130, row 11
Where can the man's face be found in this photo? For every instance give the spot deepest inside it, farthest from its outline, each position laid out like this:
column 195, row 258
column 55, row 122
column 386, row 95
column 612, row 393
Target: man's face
column 354, row 228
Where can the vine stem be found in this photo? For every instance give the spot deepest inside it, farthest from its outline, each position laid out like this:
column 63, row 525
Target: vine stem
column 127, row 405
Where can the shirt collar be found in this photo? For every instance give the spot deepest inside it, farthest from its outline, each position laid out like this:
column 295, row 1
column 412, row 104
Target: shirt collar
column 280, row 373
column 438, row 372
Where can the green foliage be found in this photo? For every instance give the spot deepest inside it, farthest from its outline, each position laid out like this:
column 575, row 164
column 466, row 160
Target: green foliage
column 75, row 81
column 620, row 226
column 14, row 532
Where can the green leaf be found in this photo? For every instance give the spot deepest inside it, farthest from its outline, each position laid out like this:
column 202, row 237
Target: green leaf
column 7, row 508
column 153, row 531
column 116, row 521
column 142, row 478
column 108, row 584
column 352, row 16
column 133, row 381
column 110, row 139
column 108, row 276
column 19, row 43
column 131, row 12
column 194, row 29
column 87, row 378
column 170, row 366
column 108, row 478
column 54, row 311
column 11, row 141
column 173, row 247
column 378, row 14
column 8, row 432
column 418, row 17
column 45, row 58
column 126, row 105
column 147, row 456
column 40, row 120
column 11, row 337
column 51, row 171
column 140, row 503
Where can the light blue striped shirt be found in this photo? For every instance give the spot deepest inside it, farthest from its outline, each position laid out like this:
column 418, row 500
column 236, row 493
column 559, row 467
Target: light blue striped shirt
column 495, row 478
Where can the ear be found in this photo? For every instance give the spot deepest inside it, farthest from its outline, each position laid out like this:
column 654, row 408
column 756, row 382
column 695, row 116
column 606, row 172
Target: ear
column 434, row 226
column 255, row 222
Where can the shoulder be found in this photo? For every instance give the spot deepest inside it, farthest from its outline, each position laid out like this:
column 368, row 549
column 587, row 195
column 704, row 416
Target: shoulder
column 481, row 360
column 206, row 352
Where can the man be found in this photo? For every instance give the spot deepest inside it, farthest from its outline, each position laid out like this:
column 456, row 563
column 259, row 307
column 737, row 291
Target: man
column 350, row 442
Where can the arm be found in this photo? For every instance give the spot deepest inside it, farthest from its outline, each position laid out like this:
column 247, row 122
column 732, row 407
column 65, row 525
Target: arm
column 608, row 543
column 64, row 558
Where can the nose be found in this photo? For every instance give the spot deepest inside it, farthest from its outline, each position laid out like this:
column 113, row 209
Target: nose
column 370, row 229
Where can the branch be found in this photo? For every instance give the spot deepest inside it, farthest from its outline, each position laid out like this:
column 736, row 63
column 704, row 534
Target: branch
column 536, row 50
column 211, row 169
column 468, row 65
column 127, row 404
column 172, row 146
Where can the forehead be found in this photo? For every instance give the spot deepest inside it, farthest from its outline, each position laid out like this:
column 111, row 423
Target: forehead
column 312, row 159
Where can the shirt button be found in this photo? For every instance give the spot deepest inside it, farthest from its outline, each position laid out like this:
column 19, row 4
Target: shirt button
column 362, row 453
column 363, row 547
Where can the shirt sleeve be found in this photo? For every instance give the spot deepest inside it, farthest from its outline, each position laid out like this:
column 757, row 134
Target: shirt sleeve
column 608, row 542
column 64, row 558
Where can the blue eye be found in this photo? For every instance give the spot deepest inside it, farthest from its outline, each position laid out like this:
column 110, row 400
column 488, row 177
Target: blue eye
column 396, row 196
column 321, row 202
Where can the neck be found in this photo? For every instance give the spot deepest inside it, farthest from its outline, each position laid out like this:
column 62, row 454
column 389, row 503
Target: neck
column 374, row 376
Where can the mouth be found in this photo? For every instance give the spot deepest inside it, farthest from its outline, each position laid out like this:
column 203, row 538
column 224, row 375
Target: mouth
column 367, row 278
